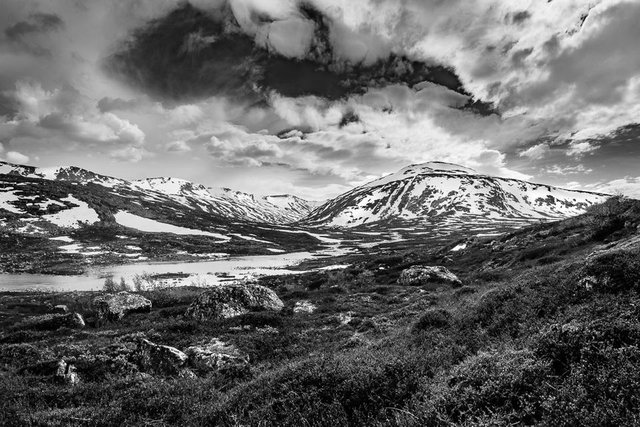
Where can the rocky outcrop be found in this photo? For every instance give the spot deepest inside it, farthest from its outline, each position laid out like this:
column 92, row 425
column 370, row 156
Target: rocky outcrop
column 115, row 306
column 304, row 307
column 424, row 276
column 229, row 300
column 51, row 322
column 161, row 359
column 60, row 309
column 214, row 355
column 66, row 374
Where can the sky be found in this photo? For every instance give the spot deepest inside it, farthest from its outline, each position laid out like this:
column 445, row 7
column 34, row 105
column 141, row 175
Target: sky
column 315, row 97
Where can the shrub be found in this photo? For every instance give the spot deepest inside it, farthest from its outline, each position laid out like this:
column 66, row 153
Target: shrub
column 111, row 286
column 614, row 271
column 565, row 345
column 500, row 388
column 353, row 388
column 433, row 319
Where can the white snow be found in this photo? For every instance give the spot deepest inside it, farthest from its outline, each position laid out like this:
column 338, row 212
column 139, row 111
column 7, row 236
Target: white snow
column 459, row 247
column 62, row 239
column 152, row 226
column 73, row 217
column 71, row 249
column 5, row 198
column 253, row 239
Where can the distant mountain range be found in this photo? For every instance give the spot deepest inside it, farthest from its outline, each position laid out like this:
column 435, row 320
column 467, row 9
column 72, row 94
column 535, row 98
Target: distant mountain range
column 220, row 202
column 434, row 192
column 66, row 219
column 440, row 192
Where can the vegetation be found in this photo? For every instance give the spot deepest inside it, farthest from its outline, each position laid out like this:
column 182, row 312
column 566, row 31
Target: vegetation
column 534, row 337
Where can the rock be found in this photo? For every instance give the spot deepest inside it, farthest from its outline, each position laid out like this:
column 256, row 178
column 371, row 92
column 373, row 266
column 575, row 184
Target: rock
column 214, row 355
column 161, row 359
column 423, row 275
column 233, row 299
column 344, row 318
column 116, row 306
column 66, row 374
column 51, row 322
column 304, row 307
column 60, row 309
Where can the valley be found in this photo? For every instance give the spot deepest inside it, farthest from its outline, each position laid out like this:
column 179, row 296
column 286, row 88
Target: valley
column 69, row 221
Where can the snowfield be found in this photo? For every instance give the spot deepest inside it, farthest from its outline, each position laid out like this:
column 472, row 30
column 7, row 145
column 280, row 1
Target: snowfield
column 152, row 226
column 5, row 198
column 73, row 217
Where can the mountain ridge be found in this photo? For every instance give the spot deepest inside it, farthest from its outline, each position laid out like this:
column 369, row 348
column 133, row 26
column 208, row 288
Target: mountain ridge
column 438, row 191
column 225, row 202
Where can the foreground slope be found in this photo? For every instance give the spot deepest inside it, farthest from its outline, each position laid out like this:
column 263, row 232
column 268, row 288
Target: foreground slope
column 545, row 330
column 447, row 194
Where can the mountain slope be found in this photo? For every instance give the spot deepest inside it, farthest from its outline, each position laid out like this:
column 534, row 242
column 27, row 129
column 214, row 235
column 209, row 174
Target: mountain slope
column 445, row 193
column 276, row 209
column 223, row 203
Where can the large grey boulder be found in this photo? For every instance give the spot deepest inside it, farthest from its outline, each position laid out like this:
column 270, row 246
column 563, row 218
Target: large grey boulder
column 116, row 306
column 233, row 299
column 161, row 359
column 425, row 275
column 51, row 322
column 214, row 355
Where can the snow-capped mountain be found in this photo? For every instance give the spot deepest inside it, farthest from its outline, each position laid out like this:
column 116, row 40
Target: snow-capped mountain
column 276, row 209
column 444, row 192
column 221, row 202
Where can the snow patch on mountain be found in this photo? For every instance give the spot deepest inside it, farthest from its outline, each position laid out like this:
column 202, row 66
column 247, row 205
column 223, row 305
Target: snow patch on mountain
column 73, row 217
column 130, row 220
column 6, row 199
column 420, row 169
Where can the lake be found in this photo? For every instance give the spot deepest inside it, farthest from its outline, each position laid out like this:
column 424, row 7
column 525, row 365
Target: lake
column 200, row 273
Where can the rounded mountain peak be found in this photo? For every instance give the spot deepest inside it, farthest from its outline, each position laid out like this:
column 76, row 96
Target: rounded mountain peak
column 428, row 168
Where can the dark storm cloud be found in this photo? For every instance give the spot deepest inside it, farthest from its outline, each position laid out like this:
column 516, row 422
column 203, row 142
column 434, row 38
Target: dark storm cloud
column 193, row 54
column 520, row 17
column 36, row 23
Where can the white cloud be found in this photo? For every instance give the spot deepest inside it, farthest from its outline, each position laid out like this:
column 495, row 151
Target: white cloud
column 178, row 147
column 128, row 154
column 567, row 170
column 578, row 149
column 535, row 152
column 185, row 114
column 15, row 157
column 628, row 186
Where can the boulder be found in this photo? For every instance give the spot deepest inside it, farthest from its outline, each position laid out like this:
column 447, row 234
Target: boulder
column 161, row 359
column 233, row 299
column 60, row 309
column 116, row 306
column 51, row 322
column 214, row 355
column 423, row 275
column 304, row 307
column 66, row 373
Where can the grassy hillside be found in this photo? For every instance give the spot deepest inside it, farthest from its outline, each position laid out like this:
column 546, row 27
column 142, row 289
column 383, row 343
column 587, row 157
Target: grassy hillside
column 544, row 331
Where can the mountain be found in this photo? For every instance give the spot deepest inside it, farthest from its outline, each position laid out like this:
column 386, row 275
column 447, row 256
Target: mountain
column 223, row 202
column 276, row 209
column 438, row 192
column 66, row 220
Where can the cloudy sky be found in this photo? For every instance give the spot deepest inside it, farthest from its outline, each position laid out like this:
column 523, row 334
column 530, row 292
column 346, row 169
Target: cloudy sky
column 313, row 97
